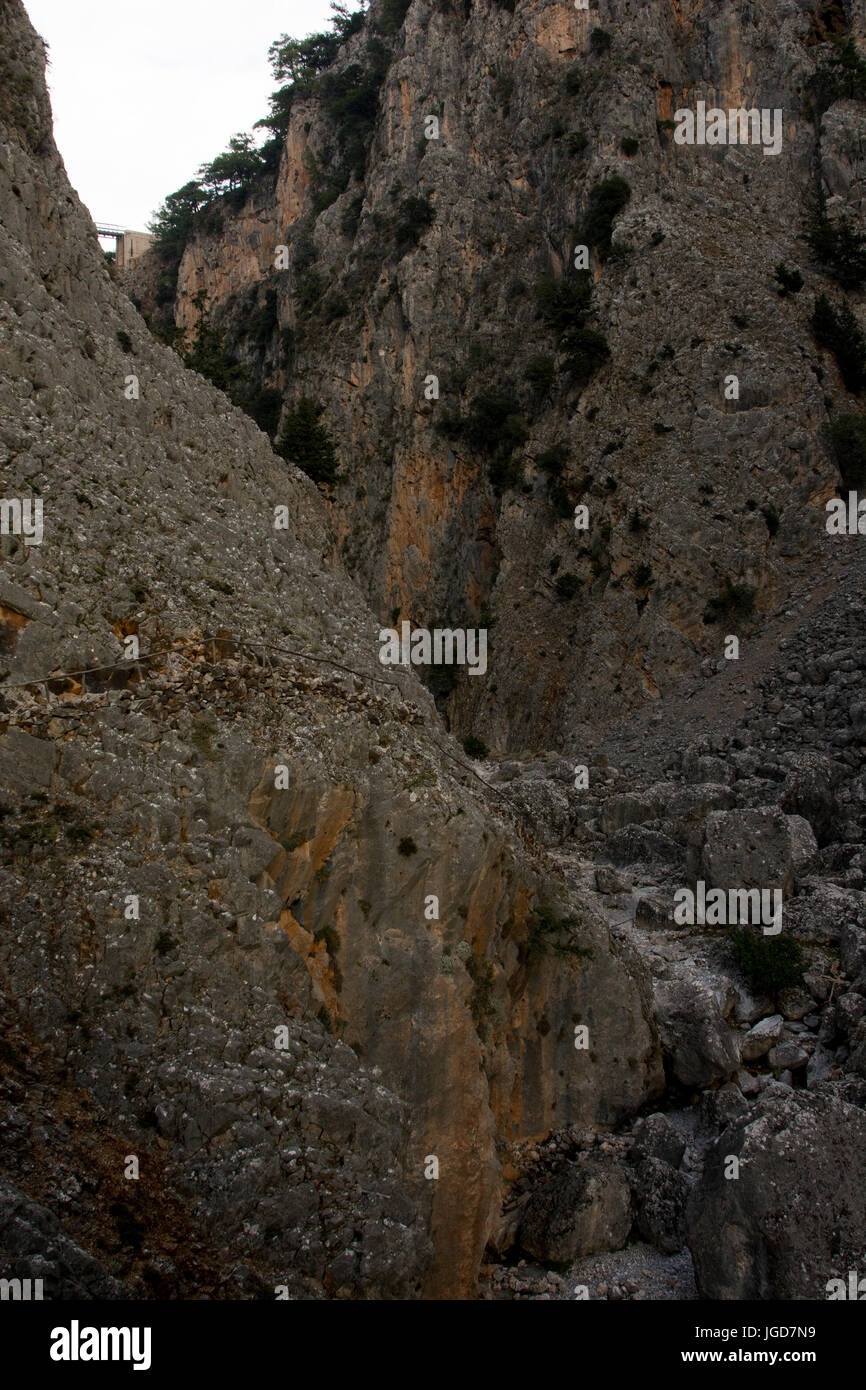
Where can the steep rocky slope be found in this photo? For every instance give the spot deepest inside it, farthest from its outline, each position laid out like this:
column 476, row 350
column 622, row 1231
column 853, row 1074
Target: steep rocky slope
column 430, row 262
column 219, row 952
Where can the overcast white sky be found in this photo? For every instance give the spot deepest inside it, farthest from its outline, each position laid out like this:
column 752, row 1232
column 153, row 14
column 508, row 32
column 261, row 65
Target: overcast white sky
column 144, row 91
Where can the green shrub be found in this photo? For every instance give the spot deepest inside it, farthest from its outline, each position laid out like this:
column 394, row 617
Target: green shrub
column 164, row 943
column 790, row 281
column 841, row 77
column 392, row 15
column 577, row 141
column 771, row 516
column 550, row 933
column 606, row 200
column 124, row 340
column 209, row 356
column 475, row 747
column 415, row 216
column 735, row 603
column 586, row 350
column 305, row 441
column 573, row 79
column 837, row 330
column 561, row 499
column 848, row 437
column 599, row 42
column 770, row 963
column 407, row 847
column 567, row 586
column 839, row 247
column 629, row 145
column 262, row 323
column 310, row 286
column 563, row 304
column 540, row 373
column 642, row 576
column 554, row 459
column 492, row 426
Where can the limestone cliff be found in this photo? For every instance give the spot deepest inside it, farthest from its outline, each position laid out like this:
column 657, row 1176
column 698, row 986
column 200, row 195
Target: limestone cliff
column 447, row 508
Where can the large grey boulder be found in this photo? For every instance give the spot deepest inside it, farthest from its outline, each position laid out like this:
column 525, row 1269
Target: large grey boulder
column 795, row 1216
column 810, row 791
column 697, row 1045
column 762, row 1037
column 584, row 1208
column 760, row 848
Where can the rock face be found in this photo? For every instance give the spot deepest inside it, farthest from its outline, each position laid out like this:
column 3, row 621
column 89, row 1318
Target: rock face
column 357, row 1007
column 685, row 486
column 793, row 1219
column 252, row 894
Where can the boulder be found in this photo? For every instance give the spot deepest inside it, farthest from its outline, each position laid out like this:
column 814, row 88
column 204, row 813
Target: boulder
column 697, row 1045
column 810, row 791
column 582, row 1209
column 754, row 849
column 796, row 1215
column 655, row 909
column 787, row 1056
column 762, row 1037
column 660, row 1197
column 609, row 881
column 655, row 1137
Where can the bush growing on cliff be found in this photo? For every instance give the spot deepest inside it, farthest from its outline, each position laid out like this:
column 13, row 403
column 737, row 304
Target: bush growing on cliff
column 839, row 247
column 848, row 437
column 415, row 216
column 735, row 603
column 208, row 355
column 606, row 200
column 789, row 281
column 551, row 934
column 564, row 306
column 842, row 76
column 493, row 427
column 599, row 42
column 540, row 373
column 837, row 330
column 475, row 747
column 392, row 15
column 554, row 459
column 304, row 440
column 567, row 586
